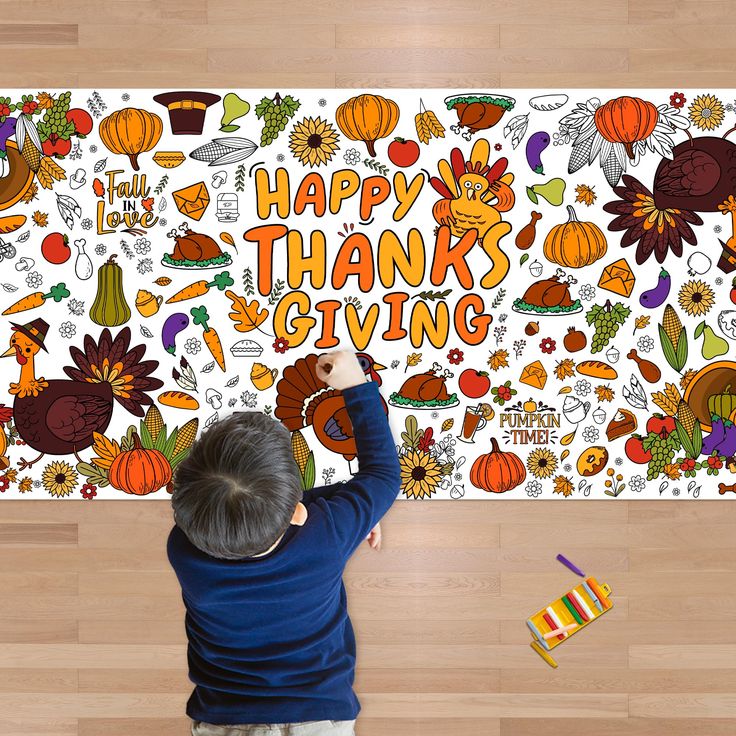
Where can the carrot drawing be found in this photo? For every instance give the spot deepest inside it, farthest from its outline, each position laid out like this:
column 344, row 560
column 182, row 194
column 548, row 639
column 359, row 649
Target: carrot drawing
column 211, row 338
column 200, row 288
column 31, row 301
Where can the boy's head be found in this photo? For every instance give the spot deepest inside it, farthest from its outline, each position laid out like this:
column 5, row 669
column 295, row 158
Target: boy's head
column 238, row 489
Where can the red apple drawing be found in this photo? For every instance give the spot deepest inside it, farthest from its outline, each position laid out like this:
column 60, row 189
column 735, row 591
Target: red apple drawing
column 403, row 153
column 55, row 248
column 81, row 120
column 634, row 449
column 55, row 146
column 473, row 383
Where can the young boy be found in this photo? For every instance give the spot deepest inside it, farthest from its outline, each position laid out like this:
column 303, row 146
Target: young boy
column 271, row 647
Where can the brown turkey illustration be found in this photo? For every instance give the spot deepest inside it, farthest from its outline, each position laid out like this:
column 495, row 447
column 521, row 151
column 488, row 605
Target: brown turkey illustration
column 191, row 246
column 551, row 292
column 428, row 386
column 699, row 177
column 304, row 400
column 58, row 416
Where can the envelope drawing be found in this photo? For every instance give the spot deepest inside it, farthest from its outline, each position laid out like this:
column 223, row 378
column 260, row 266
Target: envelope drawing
column 534, row 375
column 192, row 201
column 618, row 278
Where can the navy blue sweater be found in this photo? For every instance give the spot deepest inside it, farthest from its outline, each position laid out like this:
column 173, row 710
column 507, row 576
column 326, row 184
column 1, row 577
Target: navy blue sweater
column 270, row 640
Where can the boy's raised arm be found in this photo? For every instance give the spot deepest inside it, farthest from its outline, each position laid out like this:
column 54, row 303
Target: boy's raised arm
column 358, row 505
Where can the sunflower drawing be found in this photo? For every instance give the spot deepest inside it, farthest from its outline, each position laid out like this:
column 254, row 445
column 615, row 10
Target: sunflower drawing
column 59, row 478
column 696, row 298
column 313, row 141
column 706, row 111
column 541, row 462
column 420, row 474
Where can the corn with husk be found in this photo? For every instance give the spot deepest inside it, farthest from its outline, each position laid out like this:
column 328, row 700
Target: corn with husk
column 686, row 417
column 222, row 151
column 29, row 142
column 185, row 437
column 154, row 421
column 673, row 337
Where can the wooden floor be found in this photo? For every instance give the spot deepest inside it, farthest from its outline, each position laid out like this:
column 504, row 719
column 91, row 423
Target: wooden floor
column 91, row 621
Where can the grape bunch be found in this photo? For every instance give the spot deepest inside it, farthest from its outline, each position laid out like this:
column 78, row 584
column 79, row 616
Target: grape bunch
column 607, row 318
column 54, row 122
column 663, row 451
column 275, row 114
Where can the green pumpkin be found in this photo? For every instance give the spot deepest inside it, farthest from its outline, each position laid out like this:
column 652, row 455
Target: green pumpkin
column 110, row 308
column 722, row 404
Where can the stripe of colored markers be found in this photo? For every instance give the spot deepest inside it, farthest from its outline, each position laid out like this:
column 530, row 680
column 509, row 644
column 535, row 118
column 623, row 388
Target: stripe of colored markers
column 572, row 610
column 571, row 598
column 581, row 601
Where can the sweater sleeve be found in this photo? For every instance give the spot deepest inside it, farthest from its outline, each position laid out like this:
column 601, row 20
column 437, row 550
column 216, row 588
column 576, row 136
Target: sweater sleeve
column 357, row 505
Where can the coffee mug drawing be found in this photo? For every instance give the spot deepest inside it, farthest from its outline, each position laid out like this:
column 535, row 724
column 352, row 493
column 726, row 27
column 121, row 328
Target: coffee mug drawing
column 472, row 422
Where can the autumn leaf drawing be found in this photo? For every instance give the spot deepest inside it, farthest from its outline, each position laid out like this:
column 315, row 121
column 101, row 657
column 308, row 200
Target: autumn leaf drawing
column 246, row 315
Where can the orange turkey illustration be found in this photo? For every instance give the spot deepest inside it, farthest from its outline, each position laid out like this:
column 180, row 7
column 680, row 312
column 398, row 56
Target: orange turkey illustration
column 304, row 400
column 58, row 416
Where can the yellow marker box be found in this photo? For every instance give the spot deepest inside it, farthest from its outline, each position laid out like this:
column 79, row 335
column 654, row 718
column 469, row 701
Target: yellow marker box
column 584, row 603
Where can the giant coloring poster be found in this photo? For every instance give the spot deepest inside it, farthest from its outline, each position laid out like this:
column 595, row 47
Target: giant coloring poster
column 541, row 282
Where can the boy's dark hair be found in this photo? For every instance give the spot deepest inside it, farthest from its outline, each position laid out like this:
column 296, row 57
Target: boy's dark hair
column 236, row 491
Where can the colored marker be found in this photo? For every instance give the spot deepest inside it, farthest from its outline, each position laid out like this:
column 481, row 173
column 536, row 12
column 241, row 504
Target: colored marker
column 537, row 633
column 561, row 630
column 593, row 596
column 599, row 593
column 569, row 565
column 546, row 657
column 554, row 617
column 572, row 610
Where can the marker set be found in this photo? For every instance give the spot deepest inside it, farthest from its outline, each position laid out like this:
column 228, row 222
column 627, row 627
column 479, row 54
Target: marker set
column 568, row 614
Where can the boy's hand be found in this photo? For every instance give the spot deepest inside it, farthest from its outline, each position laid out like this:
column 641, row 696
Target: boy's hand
column 374, row 538
column 340, row 369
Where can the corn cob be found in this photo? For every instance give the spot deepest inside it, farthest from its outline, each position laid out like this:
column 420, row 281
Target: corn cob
column 154, row 421
column 185, row 438
column 686, row 417
column 300, row 449
column 31, row 154
column 671, row 325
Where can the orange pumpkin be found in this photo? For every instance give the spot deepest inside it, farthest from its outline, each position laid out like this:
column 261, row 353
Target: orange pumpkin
column 626, row 120
column 139, row 471
column 497, row 471
column 367, row 118
column 131, row 131
column 575, row 244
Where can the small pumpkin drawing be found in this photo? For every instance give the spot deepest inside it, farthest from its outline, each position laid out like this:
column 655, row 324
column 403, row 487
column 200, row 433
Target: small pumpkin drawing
column 497, row 471
column 575, row 244
column 367, row 118
column 130, row 132
column 626, row 120
column 139, row 471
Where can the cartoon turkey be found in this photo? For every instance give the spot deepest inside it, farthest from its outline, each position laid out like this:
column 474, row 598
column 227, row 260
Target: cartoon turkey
column 474, row 195
column 304, row 400
column 58, row 417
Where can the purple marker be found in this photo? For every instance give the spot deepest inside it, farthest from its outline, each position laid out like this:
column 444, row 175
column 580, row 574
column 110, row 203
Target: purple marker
column 569, row 565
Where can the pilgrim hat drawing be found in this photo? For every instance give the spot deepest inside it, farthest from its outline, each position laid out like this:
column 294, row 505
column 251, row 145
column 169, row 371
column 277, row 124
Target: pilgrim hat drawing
column 187, row 110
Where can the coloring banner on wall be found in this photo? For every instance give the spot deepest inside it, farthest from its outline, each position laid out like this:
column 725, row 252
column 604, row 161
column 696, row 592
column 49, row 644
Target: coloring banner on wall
column 542, row 284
